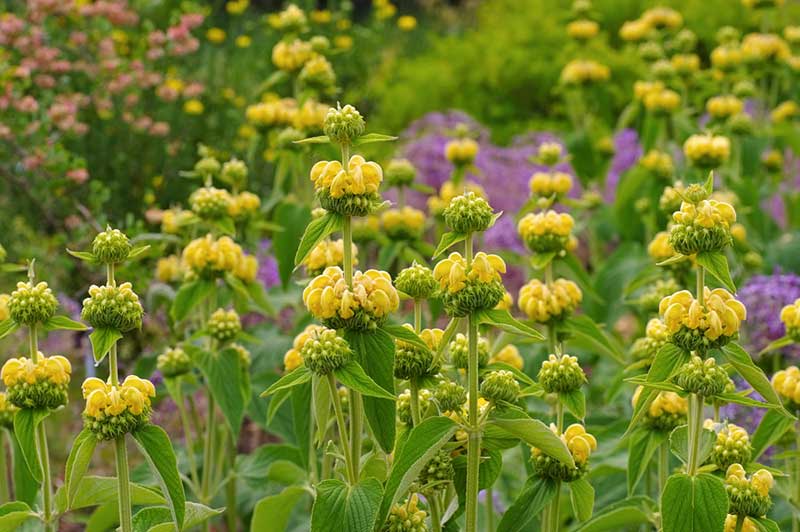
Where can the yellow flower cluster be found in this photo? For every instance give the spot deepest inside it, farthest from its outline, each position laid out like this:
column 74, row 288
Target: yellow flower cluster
column 169, row 269
column 720, row 315
column 761, row 481
column 453, row 274
column 461, row 151
column 787, row 383
column 726, row 57
column 217, row 256
column 327, row 296
column 292, row 359
column 173, row 220
column 662, row 101
column 548, row 184
column 584, row 71
column 708, row 213
column 361, row 177
column 658, row 162
column 291, row 56
column 730, row 524
column 785, row 111
column 641, row 89
column 580, row 443
column 509, row 355
column 761, row 47
column 543, row 302
column 103, row 399
column 685, row 63
column 547, row 231
column 652, row 19
column 707, row 150
column 277, row 112
column 55, row 369
column 4, row 314
column 665, row 403
column 328, row 253
column 634, row 30
column 583, row 29
column 437, row 204
column 243, row 204
column 724, row 106
column 216, row 35
column 406, row 222
column 406, row 23
column 790, row 315
column 506, row 303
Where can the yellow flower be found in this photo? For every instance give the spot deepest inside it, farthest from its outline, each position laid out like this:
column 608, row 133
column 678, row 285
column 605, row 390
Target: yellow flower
column 104, row 399
column 310, row 115
column 55, row 369
column 509, row 355
column 707, row 213
column 406, row 222
column 321, row 16
column 784, row 111
column 580, row 72
column 343, row 42
column 328, row 296
column 724, row 106
column 218, row 255
column 720, row 314
column 277, row 112
column 663, row 17
column 237, row 7
column 243, row 204
column 168, row 269
column 545, row 223
column 216, row 35
column 543, row 302
column 660, row 249
column 759, row 47
column 193, row 107
column 246, row 269
column 407, row 23
column 663, row 101
column 243, row 41
column 453, row 273
column 291, row 56
column 787, row 381
column 685, row 63
column 292, row 360
column 328, row 253
column 173, row 220
column 362, row 177
column 506, row 303
column 579, row 442
column 583, row 29
column 641, row 89
column 4, row 314
column 461, row 151
column 726, row 57
column 437, row 204
column 634, row 30
column 551, row 183
column 704, row 150
column 730, row 524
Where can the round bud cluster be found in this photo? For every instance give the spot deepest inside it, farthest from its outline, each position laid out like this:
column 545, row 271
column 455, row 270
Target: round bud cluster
column 732, row 446
column 273, row 113
column 244, row 356
column 664, row 101
column 210, row 257
column 450, row 396
column 741, row 124
column 790, row 316
column 547, row 231
column 243, row 204
column 784, row 112
column 582, row 29
column 318, row 72
column 324, row 352
column 652, row 295
column 550, row 184
column 459, row 351
column 290, row 56
column 659, row 163
column 707, row 151
column 705, row 378
column 234, row 172
column 404, row 405
column 113, row 307
column 656, row 335
column 685, row 64
column 787, row 383
column 549, row 154
column 111, row 246
column 416, row 281
column 772, row 160
column 30, row 304
column 461, row 152
column 725, row 106
column 413, row 362
column 343, row 124
column 500, row 386
column 470, row 288
column 210, row 203
column 113, row 411
column 291, row 20
column 549, row 302
column 667, row 411
column 584, row 72
column 406, row 517
column 350, row 192
column 437, row 473
column 400, row 173
column 696, row 327
column 327, row 253
column 7, row 412
column 365, row 305
column 292, row 359
column 730, row 524
column 173, row 220
column 764, row 47
column 561, row 374
column 40, row 384
column 405, row 223
column 468, row 213
column 174, row 362
column 438, row 203
column 207, row 167
column 748, row 496
column 223, row 325
column 508, row 355
column 580, row 444
column 169, row 269
column 704, row 226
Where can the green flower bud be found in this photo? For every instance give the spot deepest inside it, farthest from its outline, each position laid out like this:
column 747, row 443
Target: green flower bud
column 695, row 193
column 30, row 304
column 234, row 172
column 412, row 362
column 349, row 204
column 732, row 446
column 344, row 124
column 108, row 428
column 702, row 377
column 727, row 34
column 655, row 292
column 546, row 466
column 287, row 137
column 325, row 352
column 450, row 396
column 696, row 340
column 651, row 51
column 400, row 173
column 111, row 246
column 174, row 362
column 663, row 70
column 113, row 307
column 7, row 412
column 223, row 325
column 753, row 260
column 437, row 473
column 416, row 281
column 207, row 167
column 210, row 202
column 549, row 153
column 320, row 43
column 561, row 375
column 459, row 351
column 692, row 239
column 685, row 40
column 500, row 386
column 406, row 517
column 468, row 213
column 748, row 497
column 744, row 89
column 473, row 297
column 741, row 124
column 404, row 405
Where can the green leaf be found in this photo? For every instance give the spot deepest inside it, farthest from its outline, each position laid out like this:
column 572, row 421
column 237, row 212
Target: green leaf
column 26, row 422
column 423, row 442
column 716, row 263
column 621, row 515
column 709, row 184
column 584, row 328
column 297, row 376
column 503, row 320
column 321, row 401
column 157, row 448
column 85, row 256
column 540, row 260
column 63, row 323
column 26, row 488
column 228, row 382
column 259, row 298
column 765, row 525
column 694, row 504
column 533, row 432
column 353, row 376
column 672, row 260
column 744, row 365
column 780, row 343
column 666, row 362
column 528, row 505
column 189, row 297
column 773, row 426
column 294, row 217
column 159, row 519
column 316, row 232
column 374, row 351
column 641, row 447
column 449, row 333
column 271, row 514
column 77, row 463
column 13, row 514
column 679, row 443
column 138, row 251
column 575, row 402
column 448, row 239
column 97, row 491
column 581, row 493
column 7, row 327
column 407, row 335
column 102, row 340
column 339, row 507
column 321, row 139
column 370, row 138
column 740, row 399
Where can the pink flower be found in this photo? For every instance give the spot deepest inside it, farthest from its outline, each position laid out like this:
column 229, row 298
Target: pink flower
column 78, row 175
column 27, row 104
column 194, row 89
column 159, row 129
column 45, row 81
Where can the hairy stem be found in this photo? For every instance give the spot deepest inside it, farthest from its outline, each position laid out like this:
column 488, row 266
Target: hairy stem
column 695, row 430
column 337, row 409
column 474, row 442
column 489, row 510
column 436, row 513
column 414, row 389
column 123, row 480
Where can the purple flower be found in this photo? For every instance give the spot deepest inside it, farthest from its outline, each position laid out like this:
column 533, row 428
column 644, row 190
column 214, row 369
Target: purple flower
column 627, row 151
column 503, row 236
column 268, row 274
column 764, row 296
column 745, row 416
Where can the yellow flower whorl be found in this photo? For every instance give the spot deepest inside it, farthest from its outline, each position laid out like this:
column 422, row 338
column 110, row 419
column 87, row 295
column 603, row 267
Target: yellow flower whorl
column 547, row 231
column 707, row 151
column 695, row 326
column 553, row 183
column 41, row 384
column 327, row 253
column 787, row 383
column 406, row 223
column 112, row 411
column 549, row 302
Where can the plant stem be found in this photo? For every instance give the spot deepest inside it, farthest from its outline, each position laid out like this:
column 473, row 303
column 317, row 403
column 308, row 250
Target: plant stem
column 414, row 389
column 663, row 467
column 739, row 523
column 123, row 477
column 417, row 315
column 41, row 441
column 560, row 416
column 795, row 518
column 347, row 237
column 555, row 511
column 401, row 197
column 230, row 488
column 337, row 409
column 5, row 483
column 695, row 429
column 208, row 451
column 187, row 435
column 474, row 442
column 436, row 517
column 489, row 509
column 356, row 428
column 701, row 283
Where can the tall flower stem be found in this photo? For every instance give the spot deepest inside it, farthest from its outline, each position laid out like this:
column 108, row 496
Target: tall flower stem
column 356, row 403
column 695, row 430
column 436, row 513
column 352, row 476
column 208, row 451
column 489, row 509
column 230, row 488
column 701, row 283
column 188, row 441
column 795, row 519
column 417, row 316
column 415, row 412
column 5, row 491
column 474, row 441
column 41, row 440
column 555, row 510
